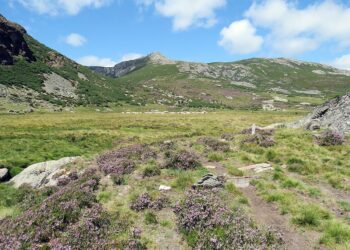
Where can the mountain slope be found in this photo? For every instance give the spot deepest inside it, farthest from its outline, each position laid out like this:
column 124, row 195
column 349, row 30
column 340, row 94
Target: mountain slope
column 257, row 82
column 33, row 76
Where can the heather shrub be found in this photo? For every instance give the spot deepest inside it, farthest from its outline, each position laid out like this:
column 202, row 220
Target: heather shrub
column 68, row 217
column 123, row 161
column 118, row 166
column 141, row 202
column 145, row 201
column 207, row 223
column 118, row 179
column 228, row 136
column 330, row 138
column 214, row 144
column 266, row 132
column 260, row 140
column 182, row 160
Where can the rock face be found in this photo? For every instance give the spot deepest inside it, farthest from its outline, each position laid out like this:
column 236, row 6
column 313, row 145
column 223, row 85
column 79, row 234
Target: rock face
column 334, row 114
column 4, row 174
column 12, row 42
column 126, row 67
column 42, row 174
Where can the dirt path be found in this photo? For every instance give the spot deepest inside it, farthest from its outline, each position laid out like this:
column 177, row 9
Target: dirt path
column 266, row 214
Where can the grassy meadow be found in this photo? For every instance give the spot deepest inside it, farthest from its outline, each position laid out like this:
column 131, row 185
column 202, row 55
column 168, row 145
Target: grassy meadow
column 309, row 184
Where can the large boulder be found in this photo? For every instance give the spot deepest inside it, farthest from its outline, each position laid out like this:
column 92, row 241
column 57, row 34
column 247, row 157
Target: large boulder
column 334, row 115
column 42, row 174
column 4, row 174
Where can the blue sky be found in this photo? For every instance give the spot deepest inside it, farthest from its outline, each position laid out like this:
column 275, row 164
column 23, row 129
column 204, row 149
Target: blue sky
column 105, row 32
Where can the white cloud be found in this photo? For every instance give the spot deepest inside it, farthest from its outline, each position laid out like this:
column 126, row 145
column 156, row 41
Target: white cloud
column 240, row 38
column 107, row 62
column 342, row 62
column 130, row 56
column 55, row 7
column 96, row 61
column 75, row 40
column 293, row 30
column 187, row 13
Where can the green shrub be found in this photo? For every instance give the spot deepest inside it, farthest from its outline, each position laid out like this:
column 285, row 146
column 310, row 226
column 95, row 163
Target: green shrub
column 215, row 157
column 311, row 215
column 336, row 233
column 290, row 183
column 150, row 218
column 183, row 181
column 150, row 171
column 234, row 171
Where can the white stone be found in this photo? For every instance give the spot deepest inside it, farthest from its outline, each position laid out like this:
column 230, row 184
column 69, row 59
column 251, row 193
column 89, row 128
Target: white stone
column 164, row 188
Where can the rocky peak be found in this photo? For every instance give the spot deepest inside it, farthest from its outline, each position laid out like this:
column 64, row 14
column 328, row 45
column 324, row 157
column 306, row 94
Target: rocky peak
column 158, row 58
column 12, row 42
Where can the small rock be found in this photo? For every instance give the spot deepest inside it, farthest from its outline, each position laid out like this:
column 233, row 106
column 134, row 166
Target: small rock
column 4, row 174
column 210, row 181
column 164, row 188
column 210, row 167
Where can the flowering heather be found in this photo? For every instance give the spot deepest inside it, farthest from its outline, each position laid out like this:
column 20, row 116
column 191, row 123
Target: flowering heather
column 182, row 160
column 260, row 139
column 208, row 224
column 145, row 201
column 330, row 138
column 69, row 218
column 248, row 131
column 123, row 161
column 228, row 136
column 214, row 144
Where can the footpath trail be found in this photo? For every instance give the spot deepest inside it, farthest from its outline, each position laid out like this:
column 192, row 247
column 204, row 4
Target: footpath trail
column 267, row 215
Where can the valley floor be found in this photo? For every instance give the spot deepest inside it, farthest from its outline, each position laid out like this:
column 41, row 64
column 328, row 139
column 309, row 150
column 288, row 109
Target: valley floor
column 304, row 197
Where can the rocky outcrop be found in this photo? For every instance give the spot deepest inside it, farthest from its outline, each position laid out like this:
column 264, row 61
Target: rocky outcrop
column 12, row 42
column 4, row 174
column 126, row 67
column 334, row 115
column 42, row 174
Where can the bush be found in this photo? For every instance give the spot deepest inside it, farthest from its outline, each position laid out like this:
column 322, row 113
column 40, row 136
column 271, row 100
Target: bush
column 215, row 157
column 118, row 179
column 150, row 171
column 150, row 218
column 260, row 140
column 65, row 218
column 311, row 215
column 123, row 160
column 182, row 160
column 208, row 224
column 214, row 144
column 336, row 233
column 330, row 138
column 145, row 201
column 228, row 136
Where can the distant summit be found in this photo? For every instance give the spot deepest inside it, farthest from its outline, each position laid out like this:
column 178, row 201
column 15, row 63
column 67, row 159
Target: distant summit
column 126, row 67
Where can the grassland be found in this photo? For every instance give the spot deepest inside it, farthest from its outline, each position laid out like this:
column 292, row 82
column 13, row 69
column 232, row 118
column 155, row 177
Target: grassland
column 309, row 185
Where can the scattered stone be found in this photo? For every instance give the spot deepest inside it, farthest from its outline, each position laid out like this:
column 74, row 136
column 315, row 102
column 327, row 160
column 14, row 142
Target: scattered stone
column 241, row 182
column 210, row 167
column 42, row 174
column 257, row 168
column 164, row 188
column 210, row 181
column 4, row 174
